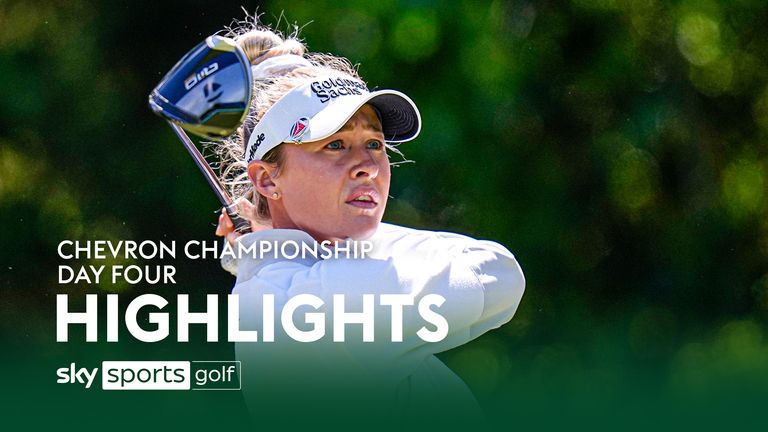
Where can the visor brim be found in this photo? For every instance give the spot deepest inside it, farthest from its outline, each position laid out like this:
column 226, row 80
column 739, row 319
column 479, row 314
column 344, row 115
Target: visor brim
column 400, row 118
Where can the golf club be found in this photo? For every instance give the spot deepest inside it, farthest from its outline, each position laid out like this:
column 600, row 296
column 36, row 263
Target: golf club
column 208, row 93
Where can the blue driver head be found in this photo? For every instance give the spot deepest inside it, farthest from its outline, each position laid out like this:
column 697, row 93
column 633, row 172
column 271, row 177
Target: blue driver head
column 208, row 92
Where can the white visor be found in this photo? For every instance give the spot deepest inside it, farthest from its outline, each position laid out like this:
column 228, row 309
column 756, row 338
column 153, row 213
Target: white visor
column 318, row 109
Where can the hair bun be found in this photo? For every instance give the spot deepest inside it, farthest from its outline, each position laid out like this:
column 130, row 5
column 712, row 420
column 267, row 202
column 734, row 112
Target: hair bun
column 260, row 45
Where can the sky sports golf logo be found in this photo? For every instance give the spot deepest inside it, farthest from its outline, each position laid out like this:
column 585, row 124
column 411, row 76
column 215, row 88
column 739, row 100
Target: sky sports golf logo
column 155, row 375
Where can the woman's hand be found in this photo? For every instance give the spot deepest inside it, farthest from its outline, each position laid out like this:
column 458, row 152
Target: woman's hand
column 246, row 210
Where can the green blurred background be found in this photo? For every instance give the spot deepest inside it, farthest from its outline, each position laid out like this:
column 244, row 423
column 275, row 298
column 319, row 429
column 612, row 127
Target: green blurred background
column 617, row 147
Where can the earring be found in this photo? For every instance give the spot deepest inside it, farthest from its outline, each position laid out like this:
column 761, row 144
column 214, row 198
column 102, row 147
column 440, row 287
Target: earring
column 276, row 195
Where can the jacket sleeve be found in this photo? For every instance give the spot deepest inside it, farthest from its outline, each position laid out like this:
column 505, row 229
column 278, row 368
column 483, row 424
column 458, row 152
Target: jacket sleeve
column 502, row 282
column 481, row 282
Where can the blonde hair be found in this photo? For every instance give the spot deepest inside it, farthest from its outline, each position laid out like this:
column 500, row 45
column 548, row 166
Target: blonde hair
column 260, row 43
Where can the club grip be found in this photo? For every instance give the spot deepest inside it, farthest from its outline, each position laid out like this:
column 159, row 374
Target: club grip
column 242, row 225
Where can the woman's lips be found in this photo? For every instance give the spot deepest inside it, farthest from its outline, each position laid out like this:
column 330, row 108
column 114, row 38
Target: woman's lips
column 363, row 204
column 365, row 198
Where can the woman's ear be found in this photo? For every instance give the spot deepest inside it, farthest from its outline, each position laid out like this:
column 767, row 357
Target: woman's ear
column 262, row 176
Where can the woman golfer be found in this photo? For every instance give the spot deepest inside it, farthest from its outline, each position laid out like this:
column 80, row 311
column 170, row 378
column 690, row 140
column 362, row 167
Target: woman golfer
column 315, row 150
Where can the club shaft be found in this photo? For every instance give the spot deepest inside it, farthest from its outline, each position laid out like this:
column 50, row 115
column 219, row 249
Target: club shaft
column 208, row 173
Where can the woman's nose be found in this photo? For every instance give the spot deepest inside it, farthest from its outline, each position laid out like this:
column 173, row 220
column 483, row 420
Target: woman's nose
column 365, row 165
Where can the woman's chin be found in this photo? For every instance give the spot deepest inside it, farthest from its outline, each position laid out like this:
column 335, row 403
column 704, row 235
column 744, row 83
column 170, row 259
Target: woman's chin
column 356, row 231
column 364, row 235
column 342, row 236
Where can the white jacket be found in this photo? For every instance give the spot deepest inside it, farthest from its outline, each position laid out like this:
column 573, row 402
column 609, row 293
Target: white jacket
column 481, row 282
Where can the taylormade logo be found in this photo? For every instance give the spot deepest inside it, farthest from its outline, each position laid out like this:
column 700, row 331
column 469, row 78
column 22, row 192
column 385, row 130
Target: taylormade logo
column 255, row 146
column 331, row 88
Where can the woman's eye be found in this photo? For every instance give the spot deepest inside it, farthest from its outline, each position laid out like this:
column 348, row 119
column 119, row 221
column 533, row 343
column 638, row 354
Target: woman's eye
column 335, row 145
column 374, row 145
